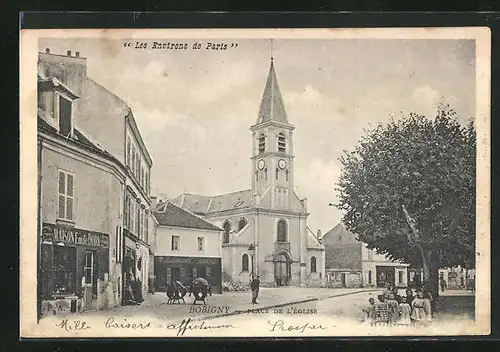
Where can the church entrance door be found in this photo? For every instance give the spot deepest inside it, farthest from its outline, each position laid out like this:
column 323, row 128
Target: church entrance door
column 282, row 270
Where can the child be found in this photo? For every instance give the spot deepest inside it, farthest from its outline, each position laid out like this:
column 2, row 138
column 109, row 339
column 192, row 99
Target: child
column 381, row 312
column 393, row 308
column 418, row 315
column 369, row 312
column 404, row 312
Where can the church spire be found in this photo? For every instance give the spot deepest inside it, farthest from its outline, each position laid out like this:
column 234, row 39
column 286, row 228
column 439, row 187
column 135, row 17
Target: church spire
column 272, row 107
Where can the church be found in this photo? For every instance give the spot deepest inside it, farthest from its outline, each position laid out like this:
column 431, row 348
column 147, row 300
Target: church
column 265, row 229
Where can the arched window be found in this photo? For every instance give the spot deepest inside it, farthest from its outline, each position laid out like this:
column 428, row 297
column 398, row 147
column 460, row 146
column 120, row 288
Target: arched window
column 227, row 229
column 281, row 143
column 282, row 231
column 262, row 143
column 242, row 224
column 244, row 262
column 313, row 264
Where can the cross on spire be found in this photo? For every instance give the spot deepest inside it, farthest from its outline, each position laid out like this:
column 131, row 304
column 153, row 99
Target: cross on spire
column 271, row 44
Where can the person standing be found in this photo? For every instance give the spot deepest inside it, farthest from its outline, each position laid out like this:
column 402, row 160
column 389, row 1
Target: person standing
column 418, row 315
column 404, row 312
column 381, row 312
column 254, row 285
column 393, row 308
column 369, row 312
column 442, row 283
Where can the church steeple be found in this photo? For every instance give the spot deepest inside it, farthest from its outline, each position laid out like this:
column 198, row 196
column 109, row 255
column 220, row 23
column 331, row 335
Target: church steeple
column 271, row 106
column 272, row 157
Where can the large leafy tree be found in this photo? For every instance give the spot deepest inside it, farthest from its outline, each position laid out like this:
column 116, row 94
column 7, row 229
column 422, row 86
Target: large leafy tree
column 408, row 191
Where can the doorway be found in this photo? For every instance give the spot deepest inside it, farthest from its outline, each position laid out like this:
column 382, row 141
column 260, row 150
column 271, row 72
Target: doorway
column 343, row 280
column 282, row 270
column 90, row 279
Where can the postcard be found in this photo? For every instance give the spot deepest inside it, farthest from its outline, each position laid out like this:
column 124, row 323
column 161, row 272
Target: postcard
column 255, row 183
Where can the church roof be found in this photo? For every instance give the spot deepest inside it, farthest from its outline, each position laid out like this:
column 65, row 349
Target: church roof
column 272, row 107
column 173, row 215
column 202, row 205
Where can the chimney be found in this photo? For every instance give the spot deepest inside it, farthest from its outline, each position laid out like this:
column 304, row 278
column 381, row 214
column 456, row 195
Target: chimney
column 154, row 203
column 318, row 234
column 68, row 52
column 47, row 50
column 77, row 53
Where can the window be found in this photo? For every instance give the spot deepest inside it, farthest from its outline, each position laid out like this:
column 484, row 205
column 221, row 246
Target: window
column 340, row 238
column 282, row 231
column 242, row 224
column 262, row 143
column 132, row 215
column 137, row 165
column 66, row 193
column 227, row 229
column 244, row 262
column 277, row 172
column 369, row 277
column 281, row 143
column 64, row 264
column 146, row 228
column 128, row 152
column 313, row 264
column 88, row 269
column 147, row 182
column 209, row 270
column 137, row 226
column 176, row 243
column 64, row 116
column 400, row 277
column 201, row 241
column 132, row 166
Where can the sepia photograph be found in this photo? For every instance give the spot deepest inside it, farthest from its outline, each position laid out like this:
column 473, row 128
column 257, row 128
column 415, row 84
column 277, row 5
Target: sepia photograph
column 253, row 183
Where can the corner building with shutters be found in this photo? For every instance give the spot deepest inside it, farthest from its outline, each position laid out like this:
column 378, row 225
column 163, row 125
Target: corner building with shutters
column 93, row 182
column 265, row 227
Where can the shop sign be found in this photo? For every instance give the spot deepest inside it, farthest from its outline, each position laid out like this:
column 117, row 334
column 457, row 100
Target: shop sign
column 190, row 260
column 72, row 236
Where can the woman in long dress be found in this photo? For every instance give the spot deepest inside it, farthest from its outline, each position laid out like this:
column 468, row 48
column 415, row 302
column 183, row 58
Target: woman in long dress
column 418, row 315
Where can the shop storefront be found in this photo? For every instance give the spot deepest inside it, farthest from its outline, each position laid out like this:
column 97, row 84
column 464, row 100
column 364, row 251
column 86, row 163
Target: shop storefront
column 73, row 261
column 185, row 269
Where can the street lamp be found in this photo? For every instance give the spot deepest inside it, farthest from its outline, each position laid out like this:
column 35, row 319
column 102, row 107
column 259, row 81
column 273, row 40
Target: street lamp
column 251, row 250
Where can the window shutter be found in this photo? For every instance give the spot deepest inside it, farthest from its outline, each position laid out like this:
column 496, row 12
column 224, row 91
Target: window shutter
column 69, row 208
column 62, row 182
column 62, row 207
column 69, row 188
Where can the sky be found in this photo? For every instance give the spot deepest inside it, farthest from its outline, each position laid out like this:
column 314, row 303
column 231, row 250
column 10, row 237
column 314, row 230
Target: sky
column 194, row 108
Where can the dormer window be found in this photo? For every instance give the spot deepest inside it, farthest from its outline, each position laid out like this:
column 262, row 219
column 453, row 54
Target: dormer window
column 65, row 107
column 281, row 143
column 262, row 143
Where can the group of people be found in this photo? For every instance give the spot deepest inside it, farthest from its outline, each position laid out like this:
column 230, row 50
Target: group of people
column 132, row 294
column 393, row 309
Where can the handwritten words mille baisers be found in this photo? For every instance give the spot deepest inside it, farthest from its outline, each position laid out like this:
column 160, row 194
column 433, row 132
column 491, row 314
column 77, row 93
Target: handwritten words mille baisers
column 179, row 46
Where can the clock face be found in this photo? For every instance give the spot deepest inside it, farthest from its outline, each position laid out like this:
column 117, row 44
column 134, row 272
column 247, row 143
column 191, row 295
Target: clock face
column 282, row 164
column 261, row 164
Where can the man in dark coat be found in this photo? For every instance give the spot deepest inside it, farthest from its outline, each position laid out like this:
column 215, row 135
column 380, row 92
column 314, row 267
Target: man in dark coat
column 254, row 285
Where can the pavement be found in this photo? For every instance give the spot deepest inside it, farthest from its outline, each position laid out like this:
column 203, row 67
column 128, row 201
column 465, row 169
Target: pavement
column 227, row 303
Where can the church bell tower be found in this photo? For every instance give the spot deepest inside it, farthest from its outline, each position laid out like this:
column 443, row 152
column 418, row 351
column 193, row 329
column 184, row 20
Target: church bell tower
column 272, row 156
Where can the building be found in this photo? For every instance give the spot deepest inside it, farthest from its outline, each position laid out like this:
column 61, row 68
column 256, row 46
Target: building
column 265, row 226
column 349, row 263
column 77, row 227
column 185, row 247
column 110, row 124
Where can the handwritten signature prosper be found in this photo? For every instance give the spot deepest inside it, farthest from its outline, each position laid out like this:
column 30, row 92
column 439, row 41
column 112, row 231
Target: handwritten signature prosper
column 279, row 325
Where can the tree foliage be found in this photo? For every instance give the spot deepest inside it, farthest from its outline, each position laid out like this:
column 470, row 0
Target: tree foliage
column 429, row 167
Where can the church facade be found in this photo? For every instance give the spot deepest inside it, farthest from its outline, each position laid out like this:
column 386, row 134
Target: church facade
column 265, row 227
